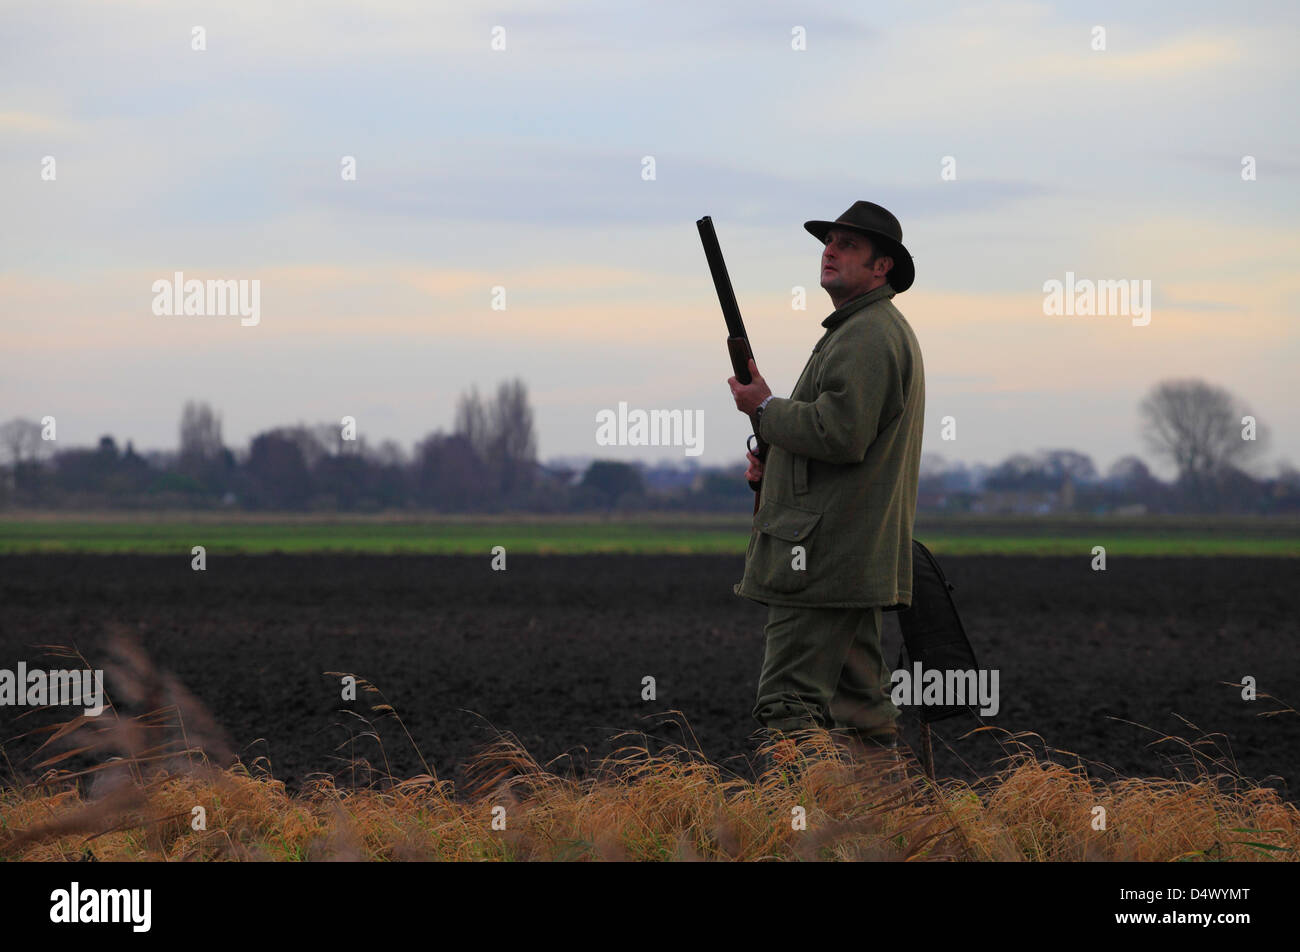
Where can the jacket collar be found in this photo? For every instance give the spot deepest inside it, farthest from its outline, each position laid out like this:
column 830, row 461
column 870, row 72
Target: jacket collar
column 858, row 303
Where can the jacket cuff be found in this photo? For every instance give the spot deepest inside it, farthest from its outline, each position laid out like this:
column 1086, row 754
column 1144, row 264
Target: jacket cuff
column 764, row 418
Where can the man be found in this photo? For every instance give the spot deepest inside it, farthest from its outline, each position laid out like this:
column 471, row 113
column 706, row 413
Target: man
column 832, row 541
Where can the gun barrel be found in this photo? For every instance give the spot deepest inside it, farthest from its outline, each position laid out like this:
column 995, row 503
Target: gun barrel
column 721, row 279
column 738, row 341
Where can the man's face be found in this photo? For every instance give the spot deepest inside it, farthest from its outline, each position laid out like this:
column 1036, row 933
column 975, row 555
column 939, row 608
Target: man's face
column 845, row 272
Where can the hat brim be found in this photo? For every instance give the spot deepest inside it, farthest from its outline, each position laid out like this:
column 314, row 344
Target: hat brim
column 901, row 275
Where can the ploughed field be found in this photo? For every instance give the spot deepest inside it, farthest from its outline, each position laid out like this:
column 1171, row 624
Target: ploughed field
column 555, row 648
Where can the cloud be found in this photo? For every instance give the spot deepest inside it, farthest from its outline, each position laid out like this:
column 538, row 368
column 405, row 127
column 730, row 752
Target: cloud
column 560, row 186
column 1223, row 163
column 18, row 123
column 1177, row 56
column 1022, row 63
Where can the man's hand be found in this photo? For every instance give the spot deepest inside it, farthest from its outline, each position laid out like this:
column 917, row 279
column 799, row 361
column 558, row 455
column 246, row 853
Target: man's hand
column 755, row 472
column 749, row 397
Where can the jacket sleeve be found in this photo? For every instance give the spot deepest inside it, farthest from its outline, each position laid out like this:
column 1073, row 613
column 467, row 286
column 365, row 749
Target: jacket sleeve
column 859, row 391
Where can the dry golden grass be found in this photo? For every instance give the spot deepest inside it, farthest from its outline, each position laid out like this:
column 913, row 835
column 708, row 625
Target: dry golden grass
column 815, row 800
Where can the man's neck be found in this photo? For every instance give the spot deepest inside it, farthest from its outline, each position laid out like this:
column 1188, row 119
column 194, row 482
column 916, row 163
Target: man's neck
column 843, row 299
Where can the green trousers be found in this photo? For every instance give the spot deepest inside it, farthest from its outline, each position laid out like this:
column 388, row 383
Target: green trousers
column 824, row 667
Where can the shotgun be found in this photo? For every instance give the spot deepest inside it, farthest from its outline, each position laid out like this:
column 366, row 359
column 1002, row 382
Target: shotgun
column 737, row 340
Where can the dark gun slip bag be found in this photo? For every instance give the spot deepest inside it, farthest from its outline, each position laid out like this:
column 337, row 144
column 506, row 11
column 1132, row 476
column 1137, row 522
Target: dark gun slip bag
column 932, row 630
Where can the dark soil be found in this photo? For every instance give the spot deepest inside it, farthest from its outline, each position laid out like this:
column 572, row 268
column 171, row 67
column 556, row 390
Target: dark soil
column 1102, row 664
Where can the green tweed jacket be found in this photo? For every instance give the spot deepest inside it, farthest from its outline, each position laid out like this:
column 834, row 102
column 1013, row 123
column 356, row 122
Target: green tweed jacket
column 838, row 500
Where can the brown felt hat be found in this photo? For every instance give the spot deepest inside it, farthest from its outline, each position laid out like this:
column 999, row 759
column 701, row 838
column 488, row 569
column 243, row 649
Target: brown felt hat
column 879, row 224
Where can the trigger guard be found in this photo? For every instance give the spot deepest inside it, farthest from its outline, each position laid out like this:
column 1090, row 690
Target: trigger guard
column 751, row 443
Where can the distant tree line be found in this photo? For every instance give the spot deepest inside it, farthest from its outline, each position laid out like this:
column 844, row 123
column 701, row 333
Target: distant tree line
column 1202, row 429
column 488, row 462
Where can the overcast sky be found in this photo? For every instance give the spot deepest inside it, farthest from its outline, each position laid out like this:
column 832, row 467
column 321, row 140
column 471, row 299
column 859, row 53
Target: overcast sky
column 523, row 168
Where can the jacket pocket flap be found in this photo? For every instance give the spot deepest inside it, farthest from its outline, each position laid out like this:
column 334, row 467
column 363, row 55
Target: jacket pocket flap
column 786, row 522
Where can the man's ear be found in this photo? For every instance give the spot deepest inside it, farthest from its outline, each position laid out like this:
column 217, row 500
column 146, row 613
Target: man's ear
column 885, row 261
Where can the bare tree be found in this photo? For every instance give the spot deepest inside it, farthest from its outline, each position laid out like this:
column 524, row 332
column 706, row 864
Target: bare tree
column 20, row 440
column 1199, row 428
column 514, row 436
column 501, row 433
column 200, row 436
column 472, row 423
